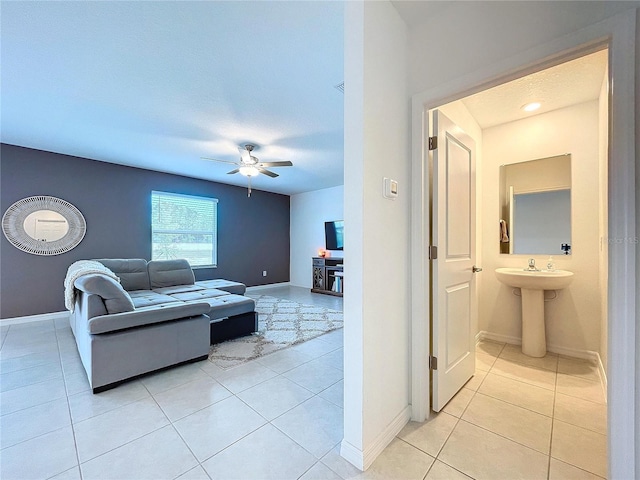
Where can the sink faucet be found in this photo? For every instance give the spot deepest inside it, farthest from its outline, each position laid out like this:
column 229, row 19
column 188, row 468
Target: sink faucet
column 532, row 264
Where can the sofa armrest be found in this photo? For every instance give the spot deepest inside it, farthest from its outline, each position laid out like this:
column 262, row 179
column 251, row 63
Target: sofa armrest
column 115, row 298
column 145, row 316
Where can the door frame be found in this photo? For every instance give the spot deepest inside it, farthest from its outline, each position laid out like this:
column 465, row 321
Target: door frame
column 619, row 34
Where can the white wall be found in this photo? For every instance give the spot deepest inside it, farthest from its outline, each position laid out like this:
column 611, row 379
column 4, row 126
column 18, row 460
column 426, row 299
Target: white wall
column 466, row 37
column 377, row 314
column 309, row 211
column 573, row 319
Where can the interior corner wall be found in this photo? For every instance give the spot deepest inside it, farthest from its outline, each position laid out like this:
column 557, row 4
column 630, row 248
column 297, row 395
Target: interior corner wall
column 253, row 233
column 603, row 197
column 377, row 141
column 352, row 446
column 573, row 319
column 309, row 211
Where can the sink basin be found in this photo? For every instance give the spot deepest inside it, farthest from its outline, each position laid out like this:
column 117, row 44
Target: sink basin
column 540, row 280
column 532, row 285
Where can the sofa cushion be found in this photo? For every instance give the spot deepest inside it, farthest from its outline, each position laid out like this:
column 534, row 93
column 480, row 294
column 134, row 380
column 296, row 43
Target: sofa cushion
column 167, row 273
column 145, row 316
column 202, row 294
column 148, row 298
column 132, row 272
column 115, row 298
column 178, row 289
column 229, row 305
column 226, row 285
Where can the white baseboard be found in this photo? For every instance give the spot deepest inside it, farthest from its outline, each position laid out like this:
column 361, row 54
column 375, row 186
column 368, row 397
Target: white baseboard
column 35, row 318
column 496, row 337
column 364, row 459
column 554, row 348
column 270, row 285
column 352, row 454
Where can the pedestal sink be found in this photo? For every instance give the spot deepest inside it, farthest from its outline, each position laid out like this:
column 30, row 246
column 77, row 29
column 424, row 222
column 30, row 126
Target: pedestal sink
column 532, row 284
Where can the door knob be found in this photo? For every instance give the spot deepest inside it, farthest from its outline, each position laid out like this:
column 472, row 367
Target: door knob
column 476, row 269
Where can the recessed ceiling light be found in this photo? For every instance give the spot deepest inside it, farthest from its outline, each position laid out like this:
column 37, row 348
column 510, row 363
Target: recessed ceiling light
column 530, row 107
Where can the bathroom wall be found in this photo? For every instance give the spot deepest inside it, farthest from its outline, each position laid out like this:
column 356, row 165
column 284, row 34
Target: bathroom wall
column 573, row 320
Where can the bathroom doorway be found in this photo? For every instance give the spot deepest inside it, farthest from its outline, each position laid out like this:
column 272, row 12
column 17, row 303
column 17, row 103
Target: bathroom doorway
column 621, row 142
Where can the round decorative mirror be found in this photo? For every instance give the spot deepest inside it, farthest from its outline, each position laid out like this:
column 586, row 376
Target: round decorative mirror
column 43, row 225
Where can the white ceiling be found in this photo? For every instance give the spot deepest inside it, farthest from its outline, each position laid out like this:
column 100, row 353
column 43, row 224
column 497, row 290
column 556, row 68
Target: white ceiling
column 158, row 85
column 569, row 83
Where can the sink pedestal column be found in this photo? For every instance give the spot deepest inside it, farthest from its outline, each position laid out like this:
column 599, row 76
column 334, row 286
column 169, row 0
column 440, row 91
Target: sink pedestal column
column 533, row 333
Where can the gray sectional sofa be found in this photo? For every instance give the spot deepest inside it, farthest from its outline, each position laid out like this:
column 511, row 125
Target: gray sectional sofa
column 154, row 317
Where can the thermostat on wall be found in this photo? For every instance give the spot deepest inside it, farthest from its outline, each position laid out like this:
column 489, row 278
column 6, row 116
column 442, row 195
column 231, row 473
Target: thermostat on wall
column 390, row 188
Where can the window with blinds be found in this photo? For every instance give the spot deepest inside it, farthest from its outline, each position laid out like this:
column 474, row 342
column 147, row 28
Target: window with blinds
column 184, row 226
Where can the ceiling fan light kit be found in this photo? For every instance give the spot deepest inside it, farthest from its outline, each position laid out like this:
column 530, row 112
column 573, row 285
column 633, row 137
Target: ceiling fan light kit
column 248, row 171
column 249, row 166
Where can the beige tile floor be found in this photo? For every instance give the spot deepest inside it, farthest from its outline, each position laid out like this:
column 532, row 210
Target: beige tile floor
column 281, row 416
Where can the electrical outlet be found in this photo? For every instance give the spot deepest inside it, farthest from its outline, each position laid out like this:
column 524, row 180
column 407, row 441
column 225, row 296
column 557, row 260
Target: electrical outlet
column 264, row 273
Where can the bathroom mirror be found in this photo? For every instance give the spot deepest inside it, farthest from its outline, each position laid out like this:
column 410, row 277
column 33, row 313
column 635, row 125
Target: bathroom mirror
column 535, row 207
column 43, row 225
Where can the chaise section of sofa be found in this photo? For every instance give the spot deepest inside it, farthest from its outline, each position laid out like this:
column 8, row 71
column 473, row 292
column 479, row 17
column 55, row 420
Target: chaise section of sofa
column 152, row 315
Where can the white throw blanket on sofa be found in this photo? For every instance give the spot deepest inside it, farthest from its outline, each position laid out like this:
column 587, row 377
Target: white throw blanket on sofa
column 78, row 269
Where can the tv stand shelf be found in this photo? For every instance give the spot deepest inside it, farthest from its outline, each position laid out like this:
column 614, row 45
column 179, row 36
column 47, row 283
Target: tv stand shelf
column 328, row 276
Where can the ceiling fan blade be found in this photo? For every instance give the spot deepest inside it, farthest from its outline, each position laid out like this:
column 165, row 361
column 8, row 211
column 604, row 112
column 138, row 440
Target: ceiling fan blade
column 233, row 171
column 267, row 172
column 275, row 164
column 221, row 161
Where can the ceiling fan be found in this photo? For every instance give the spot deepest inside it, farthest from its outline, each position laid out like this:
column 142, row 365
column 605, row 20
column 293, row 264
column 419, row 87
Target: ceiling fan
column 250, row 166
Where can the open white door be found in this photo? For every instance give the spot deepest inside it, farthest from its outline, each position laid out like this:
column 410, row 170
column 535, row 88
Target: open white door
column 454, row 233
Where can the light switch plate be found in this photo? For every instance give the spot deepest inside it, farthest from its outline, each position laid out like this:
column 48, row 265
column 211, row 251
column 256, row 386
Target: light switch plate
column 390, row 189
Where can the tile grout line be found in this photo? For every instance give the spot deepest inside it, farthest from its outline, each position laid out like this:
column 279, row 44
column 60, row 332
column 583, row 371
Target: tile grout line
column 267, row 422
column 4, row 339
column 553, row 417
column 491, row 431
column 176, row 431
column 514, row 404
column 457, row 422
column 553, row 422
column 64, row 380
column 126, row 443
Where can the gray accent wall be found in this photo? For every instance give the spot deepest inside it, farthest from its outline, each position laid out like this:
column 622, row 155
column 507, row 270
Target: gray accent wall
column 253, row 233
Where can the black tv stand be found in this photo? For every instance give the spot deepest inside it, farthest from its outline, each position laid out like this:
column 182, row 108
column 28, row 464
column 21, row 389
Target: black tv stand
column 328, row 276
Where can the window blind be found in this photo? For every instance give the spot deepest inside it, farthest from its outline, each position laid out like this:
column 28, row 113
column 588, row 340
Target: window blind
column 184, row 226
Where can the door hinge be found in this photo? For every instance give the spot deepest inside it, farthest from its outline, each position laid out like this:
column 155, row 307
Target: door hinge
column 433, row 362
column 433, row 252
column 433, row 143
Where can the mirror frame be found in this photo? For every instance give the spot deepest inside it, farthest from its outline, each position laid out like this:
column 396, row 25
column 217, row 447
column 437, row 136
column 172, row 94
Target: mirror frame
column 13, row 225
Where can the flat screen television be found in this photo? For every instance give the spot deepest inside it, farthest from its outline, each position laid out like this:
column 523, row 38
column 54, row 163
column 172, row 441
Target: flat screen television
column 334, row 235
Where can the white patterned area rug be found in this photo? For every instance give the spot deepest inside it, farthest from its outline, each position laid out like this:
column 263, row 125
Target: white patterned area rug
column 281, row 323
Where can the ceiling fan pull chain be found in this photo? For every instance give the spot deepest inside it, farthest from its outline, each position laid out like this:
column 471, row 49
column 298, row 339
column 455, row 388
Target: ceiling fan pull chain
column 249, row 193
